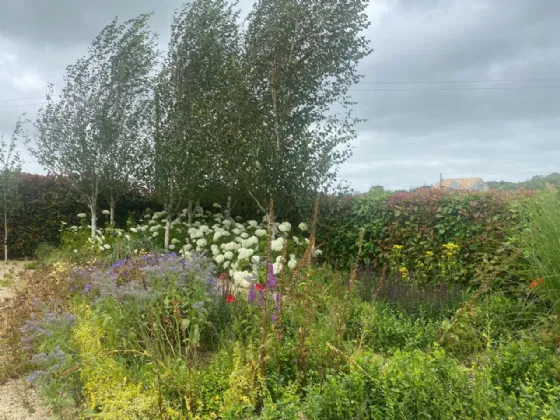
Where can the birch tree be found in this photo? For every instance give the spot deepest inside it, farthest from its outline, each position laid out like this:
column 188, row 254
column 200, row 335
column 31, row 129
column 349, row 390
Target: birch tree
column 126, row 95
column 80, row 135
column 301, row 58
column 191, row 101
column 10, row 167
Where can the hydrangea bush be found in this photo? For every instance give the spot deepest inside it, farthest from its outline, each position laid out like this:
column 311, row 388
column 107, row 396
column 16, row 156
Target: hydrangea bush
column 238, row 248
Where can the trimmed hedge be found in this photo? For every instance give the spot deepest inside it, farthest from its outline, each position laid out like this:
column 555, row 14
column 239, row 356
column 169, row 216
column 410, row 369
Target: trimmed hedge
column 46, row 201
column 418, row 221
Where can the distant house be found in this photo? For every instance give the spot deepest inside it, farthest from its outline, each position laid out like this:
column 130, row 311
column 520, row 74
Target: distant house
column 463, row 184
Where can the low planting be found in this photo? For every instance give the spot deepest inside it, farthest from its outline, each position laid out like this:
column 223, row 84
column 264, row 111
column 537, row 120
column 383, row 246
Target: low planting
column 123, row 329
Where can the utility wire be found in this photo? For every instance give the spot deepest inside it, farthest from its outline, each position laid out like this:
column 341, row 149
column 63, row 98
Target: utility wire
column 18, row 105
column 405, row 82
column 454, row 88
column 21, row 99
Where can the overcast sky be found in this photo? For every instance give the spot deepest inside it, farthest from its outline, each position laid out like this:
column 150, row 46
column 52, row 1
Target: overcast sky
column 459, row 87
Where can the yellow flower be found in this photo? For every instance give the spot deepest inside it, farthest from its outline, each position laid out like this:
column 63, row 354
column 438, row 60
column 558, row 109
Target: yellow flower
column 403, row 271
column 398, row 247
column 429, row 254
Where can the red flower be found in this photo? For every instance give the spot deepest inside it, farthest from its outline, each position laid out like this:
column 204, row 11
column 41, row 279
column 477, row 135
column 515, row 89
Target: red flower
column 536, row 283
column 230, row 299
column 223, row 276
column 259, row 287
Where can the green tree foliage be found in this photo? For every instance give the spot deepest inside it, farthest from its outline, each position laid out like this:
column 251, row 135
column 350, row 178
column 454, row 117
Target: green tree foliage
column 301, row 58
column 538, row 182
column 87, row 134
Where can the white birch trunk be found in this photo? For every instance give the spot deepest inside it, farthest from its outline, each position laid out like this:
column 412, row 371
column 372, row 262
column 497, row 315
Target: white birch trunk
column 167, row 229
column 93, row 210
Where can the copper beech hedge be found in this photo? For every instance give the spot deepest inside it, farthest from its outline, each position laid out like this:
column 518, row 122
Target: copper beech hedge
column 44, row 202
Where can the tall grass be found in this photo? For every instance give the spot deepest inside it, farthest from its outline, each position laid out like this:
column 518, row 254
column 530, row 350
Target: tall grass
column 539, row 241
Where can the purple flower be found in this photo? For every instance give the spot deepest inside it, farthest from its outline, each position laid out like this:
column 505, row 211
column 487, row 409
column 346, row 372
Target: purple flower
column 252, row 293
column 271, row 281
column 87, row 287
column 33, row 376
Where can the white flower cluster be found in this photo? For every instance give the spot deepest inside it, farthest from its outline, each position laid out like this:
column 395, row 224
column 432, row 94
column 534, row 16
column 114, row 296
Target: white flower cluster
column 236, row 248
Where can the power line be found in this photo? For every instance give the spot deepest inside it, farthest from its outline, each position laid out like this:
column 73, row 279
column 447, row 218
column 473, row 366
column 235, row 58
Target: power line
column 18, row 105
column 21, row 99
column 454, row 88
column 406, row 82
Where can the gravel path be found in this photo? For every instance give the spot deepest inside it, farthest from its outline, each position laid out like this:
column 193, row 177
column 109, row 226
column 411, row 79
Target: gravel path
column 17, row 400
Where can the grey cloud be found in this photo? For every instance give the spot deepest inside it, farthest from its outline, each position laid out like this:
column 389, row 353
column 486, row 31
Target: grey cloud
column 412, row 134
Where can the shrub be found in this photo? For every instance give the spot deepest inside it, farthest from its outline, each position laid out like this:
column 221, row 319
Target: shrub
column 421, row 223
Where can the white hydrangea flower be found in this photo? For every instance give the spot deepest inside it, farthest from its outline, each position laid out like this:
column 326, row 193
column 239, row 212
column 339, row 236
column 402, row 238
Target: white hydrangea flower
column 204, row 229
column 175, row 241
column 107, row 246
column 215, row 249
column 106, row 212
column 171, row 246
column 307, row 241
column 249, row 242
column 260, row 232
column 226, row 264
column 277, row 244
column 228, row 255
column 216, row 206
column 255, row 259
column 154, row 228
column 292, row 264
column 201, row 243
column 155, row 234
column 277, row 268
column 226, row 222
column 236, row 231
column 296, row 240
column 219, row 258
column 244, row 235
column 101, row 248
column 217, row 236
column 240, row 227
column 144, row 228
column 318, row 252
column 127, row 237
column 187, row 247
column 285, row 227
column 82, row 215
column 238, row 239
column 245, row 253
column 252, row 223
column 302, row 226
column 242, row 278
column 279, row 259
column 231, row 246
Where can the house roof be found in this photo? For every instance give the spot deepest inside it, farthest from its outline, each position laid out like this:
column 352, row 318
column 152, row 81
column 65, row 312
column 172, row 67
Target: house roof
column 465, row 183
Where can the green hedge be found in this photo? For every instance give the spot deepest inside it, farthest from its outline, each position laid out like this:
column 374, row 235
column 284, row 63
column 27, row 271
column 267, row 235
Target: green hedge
column 45, row 201
column 420, row 222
